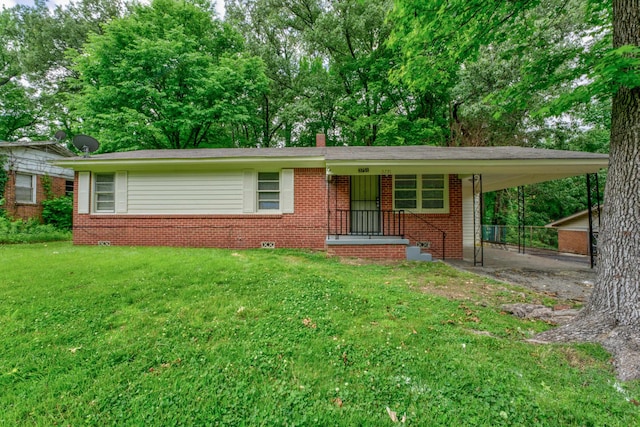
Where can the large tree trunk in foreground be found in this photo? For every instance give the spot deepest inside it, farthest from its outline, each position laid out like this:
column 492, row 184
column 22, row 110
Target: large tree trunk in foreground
column 612, row 316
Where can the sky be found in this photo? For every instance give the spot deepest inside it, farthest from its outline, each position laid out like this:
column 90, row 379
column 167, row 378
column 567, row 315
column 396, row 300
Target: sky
column 54, row 3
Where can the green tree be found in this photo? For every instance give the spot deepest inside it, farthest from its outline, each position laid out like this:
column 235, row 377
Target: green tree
column 35, row 73
column 449, row 33
column 329, row 65
column 168, row 75
column 17, row 108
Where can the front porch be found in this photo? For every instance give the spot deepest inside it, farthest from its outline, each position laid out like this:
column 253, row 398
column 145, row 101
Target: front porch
column 363, row 220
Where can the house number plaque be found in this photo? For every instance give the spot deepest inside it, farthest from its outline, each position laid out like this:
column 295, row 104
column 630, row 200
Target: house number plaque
column 363, row 170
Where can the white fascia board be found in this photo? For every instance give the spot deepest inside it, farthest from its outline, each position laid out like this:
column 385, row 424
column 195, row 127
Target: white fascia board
column 236, row 163
column 467, row 167
column 493, row 182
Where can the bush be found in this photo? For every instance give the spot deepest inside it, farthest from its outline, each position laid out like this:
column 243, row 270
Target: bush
column 58, row 212
column 30, row 231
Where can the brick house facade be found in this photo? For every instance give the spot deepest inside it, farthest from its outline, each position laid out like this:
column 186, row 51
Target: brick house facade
column 372, row 202
column 32, row 178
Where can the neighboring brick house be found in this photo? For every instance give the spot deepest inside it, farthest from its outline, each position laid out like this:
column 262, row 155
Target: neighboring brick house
column 375, row 202
column 573, row 231
column 29, row 169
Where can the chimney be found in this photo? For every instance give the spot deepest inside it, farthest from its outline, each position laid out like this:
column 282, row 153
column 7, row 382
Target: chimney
column 321, row 140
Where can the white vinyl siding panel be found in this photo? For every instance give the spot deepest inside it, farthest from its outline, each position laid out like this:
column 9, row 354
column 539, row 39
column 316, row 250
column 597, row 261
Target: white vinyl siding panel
column 121, row 192
column 185, row 193
column 83, row 192
column 467, row 214
column 287, row 191
column 249, row 191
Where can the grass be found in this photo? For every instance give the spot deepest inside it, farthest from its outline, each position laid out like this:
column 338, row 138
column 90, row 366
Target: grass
column 165, row 336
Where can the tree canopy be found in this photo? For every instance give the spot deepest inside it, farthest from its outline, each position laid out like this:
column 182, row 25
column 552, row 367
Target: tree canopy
column 168, row 75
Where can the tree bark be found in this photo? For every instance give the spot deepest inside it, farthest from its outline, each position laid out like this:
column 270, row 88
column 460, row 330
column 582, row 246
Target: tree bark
column 612, row 315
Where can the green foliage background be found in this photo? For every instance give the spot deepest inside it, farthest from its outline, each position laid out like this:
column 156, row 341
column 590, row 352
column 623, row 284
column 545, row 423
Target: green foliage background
column 171, row 74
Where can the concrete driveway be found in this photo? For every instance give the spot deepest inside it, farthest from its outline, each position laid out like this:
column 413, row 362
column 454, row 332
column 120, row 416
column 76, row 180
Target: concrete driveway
column 565, row 276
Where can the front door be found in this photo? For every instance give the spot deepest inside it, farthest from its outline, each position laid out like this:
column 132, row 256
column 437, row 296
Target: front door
column 365, row 205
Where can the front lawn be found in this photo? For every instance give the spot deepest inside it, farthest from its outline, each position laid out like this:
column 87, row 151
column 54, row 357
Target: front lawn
column 169, row 336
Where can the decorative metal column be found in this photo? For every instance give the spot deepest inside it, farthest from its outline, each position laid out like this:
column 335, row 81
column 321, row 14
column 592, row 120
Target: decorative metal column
column 522, row 235
column 593, row 203
column 478, row 247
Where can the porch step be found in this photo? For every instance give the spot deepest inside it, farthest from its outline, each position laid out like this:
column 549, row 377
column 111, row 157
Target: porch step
column 414, row 253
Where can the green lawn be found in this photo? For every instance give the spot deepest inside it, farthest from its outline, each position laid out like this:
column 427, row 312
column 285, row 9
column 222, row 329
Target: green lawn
column 168, row 336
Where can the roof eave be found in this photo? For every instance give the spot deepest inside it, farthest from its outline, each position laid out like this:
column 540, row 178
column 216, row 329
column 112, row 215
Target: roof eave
column 145, row 164
column 466, row 167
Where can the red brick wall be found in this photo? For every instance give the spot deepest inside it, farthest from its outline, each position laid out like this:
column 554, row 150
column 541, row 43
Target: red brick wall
column 30, row 210
column 306, row 228
column 339, row 200
column 416, row 230
column 574, row 242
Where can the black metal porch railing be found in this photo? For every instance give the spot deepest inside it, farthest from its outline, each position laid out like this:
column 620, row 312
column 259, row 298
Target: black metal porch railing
column 345, row 222
column 443, row 234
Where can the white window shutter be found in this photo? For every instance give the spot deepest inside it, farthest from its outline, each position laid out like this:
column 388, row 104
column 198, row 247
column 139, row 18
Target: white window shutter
column 83, row 192
column 286, row 192
column 121, row 192
column 249, row 191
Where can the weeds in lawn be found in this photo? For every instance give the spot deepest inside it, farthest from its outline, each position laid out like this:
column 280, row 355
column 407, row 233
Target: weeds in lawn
column 30, row 231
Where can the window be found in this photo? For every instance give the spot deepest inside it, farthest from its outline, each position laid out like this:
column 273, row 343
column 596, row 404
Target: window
column 25, row 188
column 104, row 192
column 68, row 188
column 268, row 191
column 423, row 193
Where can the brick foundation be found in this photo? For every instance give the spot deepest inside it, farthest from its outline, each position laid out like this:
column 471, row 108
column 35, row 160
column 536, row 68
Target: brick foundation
column 380, row 252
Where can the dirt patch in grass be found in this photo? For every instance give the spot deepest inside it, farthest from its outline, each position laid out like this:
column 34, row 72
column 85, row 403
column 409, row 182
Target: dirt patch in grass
column 480, row 291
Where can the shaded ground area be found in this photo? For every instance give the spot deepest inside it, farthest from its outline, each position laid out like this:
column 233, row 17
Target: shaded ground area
column 564, row 276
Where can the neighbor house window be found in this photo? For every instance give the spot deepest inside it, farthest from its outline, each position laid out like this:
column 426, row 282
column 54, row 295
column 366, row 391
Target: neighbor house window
column 68, row 188
column 268, row 191
column 25, row 188
column 422, row 193
column 104, row 192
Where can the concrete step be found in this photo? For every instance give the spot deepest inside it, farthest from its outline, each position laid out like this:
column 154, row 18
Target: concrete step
column 414, row 253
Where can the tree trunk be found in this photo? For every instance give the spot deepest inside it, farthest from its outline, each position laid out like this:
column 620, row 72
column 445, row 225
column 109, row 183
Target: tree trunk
column 612, row 315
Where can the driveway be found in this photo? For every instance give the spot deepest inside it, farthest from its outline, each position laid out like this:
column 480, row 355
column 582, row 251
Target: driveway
column 565, row 276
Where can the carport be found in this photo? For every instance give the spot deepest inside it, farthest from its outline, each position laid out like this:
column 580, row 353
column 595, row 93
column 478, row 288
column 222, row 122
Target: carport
column 517, row 168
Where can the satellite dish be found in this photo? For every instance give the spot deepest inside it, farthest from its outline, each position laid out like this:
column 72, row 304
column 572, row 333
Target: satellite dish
column 86, row 144
column 60, row 135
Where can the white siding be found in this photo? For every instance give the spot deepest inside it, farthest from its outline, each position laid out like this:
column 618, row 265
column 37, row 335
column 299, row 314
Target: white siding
column 467, row 214
column 286, row 196
column 83, row 192
column 121, row 188
column 249, row 191
column 185, row 193
column 27, row 160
